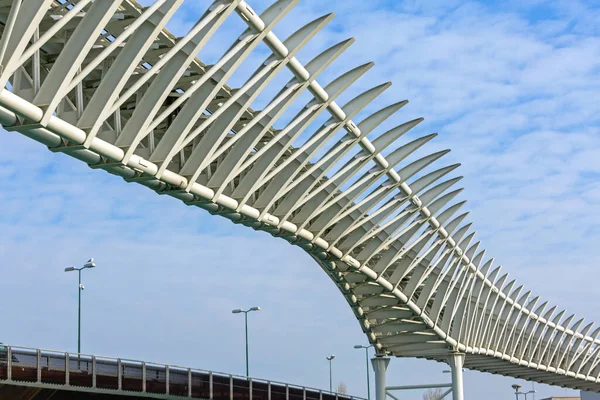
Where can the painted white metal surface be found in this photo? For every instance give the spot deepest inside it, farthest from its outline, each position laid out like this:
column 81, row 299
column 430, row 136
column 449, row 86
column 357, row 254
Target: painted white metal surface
column 105, row 82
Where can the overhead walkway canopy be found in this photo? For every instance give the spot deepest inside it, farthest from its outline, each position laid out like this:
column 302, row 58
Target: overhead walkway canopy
column 107, row 83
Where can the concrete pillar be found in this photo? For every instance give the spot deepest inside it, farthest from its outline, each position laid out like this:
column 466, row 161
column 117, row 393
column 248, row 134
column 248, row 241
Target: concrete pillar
column 380, row 366
column 456, row 362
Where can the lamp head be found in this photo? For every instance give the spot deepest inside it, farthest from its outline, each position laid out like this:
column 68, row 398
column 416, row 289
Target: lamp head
column 331, row 357
column 89, row 264
column 516, row 386
column 236, row 311
column 255, row 309
column 69, row 269
column 358, row 346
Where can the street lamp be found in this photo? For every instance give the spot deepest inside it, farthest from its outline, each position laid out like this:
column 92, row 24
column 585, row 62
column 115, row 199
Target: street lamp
column 239, row 311
column 329, row 358
column 516, row 386
column 89, row 264
column 360, row 346
column 517, row 392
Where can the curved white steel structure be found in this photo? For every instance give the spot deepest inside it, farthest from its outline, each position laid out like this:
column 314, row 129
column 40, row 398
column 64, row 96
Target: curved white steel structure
column 104, row 81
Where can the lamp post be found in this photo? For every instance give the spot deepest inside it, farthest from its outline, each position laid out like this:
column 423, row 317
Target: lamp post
column 239, row 311
column 359, row 346
column 89, row 264
column 329, row 358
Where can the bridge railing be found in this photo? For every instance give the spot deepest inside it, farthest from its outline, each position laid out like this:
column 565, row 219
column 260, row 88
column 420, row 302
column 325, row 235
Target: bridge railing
column 23, row 365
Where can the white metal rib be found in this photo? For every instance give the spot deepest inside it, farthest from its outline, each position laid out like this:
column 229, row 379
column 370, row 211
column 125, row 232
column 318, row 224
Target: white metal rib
column 252, row 19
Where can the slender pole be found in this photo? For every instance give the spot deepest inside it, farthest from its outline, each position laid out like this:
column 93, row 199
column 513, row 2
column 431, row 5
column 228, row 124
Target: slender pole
column 89, row 264
column 330, row 378
column 368, row 380
column 456, row 361
column 79, row 316
column 380, row 366
column 245, row 312
column 246, row 320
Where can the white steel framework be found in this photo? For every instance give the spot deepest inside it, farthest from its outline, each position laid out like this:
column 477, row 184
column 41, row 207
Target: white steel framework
column 105, row 82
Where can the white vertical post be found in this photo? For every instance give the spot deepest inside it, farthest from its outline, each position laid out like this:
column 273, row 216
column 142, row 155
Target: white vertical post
column 39, row 365
column 94, row 372
column 119, row 375
column 456, row 362
column 67, row 368
column 9, row 363
column 167, row 378
column 144, row 377
column 380, row 366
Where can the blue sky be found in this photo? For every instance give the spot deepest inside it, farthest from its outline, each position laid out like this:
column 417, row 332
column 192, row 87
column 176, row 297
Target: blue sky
column 512, row 88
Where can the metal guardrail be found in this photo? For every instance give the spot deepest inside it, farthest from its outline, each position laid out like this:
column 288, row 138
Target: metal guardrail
column 23, row 365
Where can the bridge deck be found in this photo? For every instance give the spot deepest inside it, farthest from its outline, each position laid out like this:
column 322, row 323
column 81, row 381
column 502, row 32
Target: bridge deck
column 53, row 370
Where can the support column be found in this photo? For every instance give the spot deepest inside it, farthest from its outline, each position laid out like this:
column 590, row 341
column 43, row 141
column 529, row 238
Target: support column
column 380, row 366
column 456, row 362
